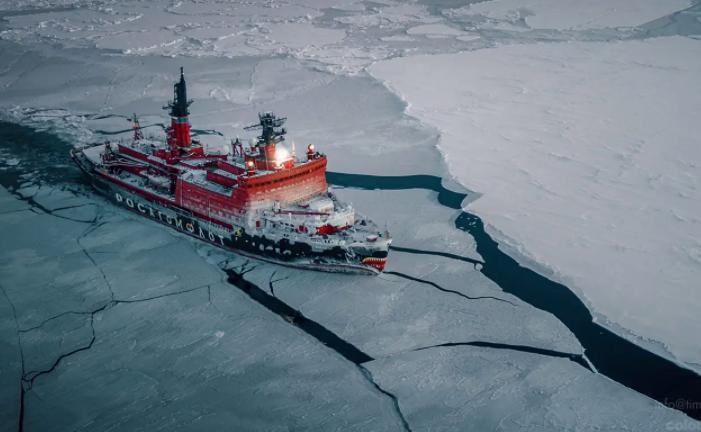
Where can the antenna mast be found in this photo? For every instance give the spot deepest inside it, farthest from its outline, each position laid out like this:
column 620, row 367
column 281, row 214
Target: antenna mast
column 271, row 128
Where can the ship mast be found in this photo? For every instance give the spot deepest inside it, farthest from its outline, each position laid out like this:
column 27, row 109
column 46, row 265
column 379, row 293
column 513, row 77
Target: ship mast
column 136, row 127
column 271, row 134
column 271, row 128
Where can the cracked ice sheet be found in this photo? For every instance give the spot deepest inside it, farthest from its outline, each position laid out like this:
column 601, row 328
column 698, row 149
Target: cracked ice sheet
column 10, row 364
column 43, row 269
column 586, row 156
column 574, row 14
column 130, row 252
column 182, row 363
column 297, row 29
column 53, row 198
column 513, row 391
column 387, row 314
column 228, row 363
column 42, row 346
column 9, row 203
column 93, row 82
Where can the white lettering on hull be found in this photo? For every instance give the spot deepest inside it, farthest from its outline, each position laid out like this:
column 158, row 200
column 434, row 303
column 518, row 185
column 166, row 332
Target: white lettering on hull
column 191, row 226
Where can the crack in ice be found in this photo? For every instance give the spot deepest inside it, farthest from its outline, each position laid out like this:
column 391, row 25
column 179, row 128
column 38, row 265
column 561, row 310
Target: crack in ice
column 312, row 328
column 476, row 263
column 41, row 209
column 577, row 358
column 395, row 401
column 272, row 281
column 20, row 421
column 28, row 378
column 446, row 290
column 95, row 226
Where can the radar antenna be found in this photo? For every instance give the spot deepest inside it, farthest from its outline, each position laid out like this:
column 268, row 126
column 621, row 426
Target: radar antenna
column 271, row 128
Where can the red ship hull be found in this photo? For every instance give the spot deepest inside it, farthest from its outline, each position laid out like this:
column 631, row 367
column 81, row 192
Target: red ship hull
column 223, row 235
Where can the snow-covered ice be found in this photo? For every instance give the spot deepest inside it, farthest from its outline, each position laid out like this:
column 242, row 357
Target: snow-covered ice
column 511, row 391
column 573, row 14
column 434, row 30
column 587, row 157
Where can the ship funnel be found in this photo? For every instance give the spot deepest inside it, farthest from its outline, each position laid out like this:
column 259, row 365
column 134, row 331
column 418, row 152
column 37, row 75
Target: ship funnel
column 180, row 104
column 179, row 132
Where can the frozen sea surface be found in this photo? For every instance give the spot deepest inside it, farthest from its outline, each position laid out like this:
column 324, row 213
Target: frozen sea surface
column 571, row 14
column 586, row 155
column 124, row 327
column 120, row 323
column 109, row 321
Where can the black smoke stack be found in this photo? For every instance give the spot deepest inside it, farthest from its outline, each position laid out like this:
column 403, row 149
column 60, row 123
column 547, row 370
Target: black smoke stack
column 178, row 108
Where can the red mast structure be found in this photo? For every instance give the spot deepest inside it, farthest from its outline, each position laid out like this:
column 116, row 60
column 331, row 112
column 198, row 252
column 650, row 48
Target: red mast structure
column 179, row 140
